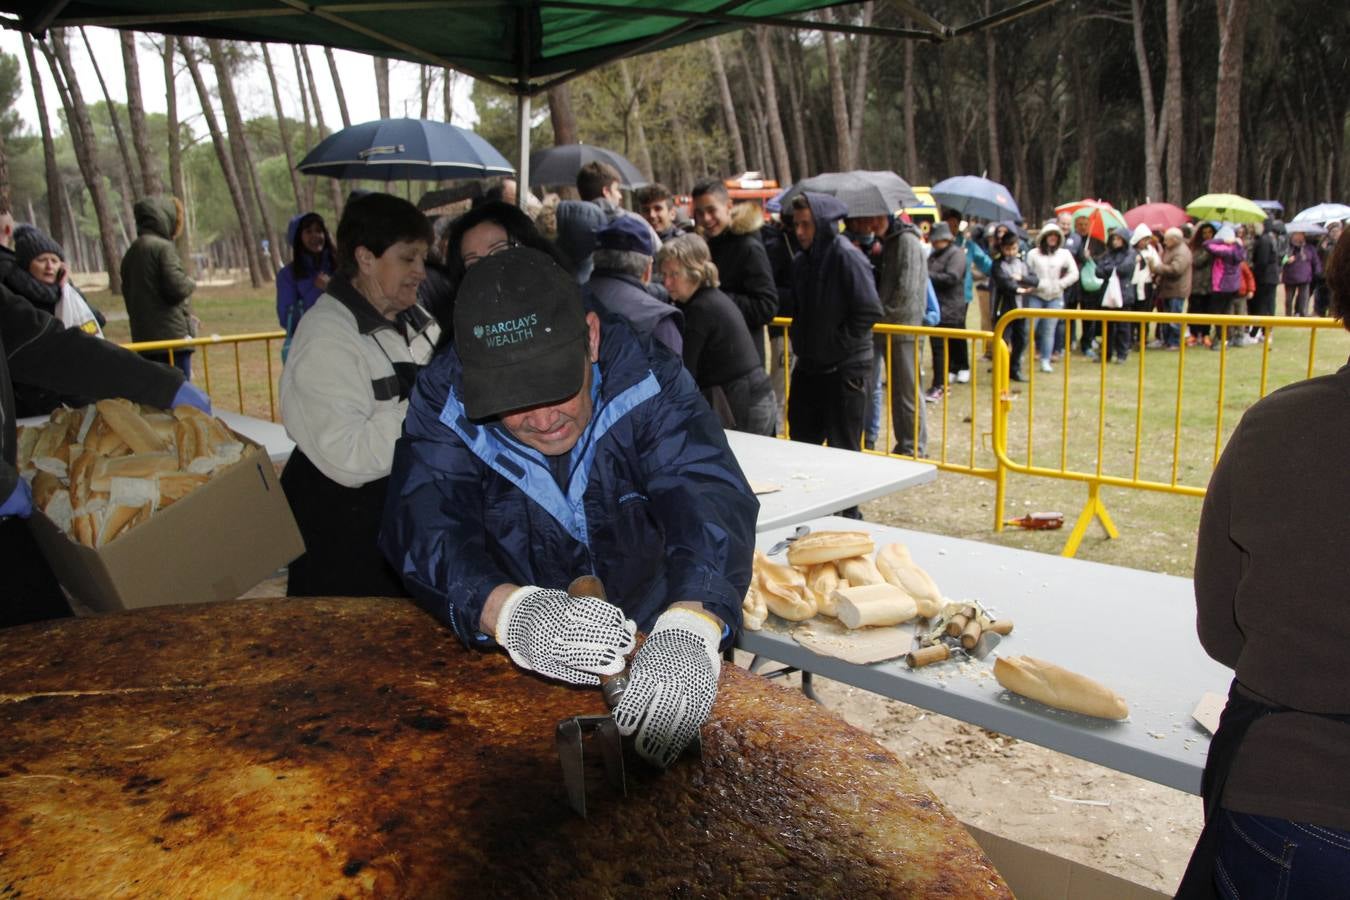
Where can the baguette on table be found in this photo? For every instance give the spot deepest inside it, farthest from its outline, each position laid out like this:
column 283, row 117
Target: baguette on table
column 1058, row 687
column 827, row 546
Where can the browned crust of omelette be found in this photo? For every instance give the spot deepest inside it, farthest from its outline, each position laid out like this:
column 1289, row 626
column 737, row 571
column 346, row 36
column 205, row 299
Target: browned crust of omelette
column 344, row 747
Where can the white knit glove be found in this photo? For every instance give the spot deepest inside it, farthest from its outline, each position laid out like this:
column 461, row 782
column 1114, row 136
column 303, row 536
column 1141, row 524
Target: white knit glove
column 671, row 685
column 572, row 639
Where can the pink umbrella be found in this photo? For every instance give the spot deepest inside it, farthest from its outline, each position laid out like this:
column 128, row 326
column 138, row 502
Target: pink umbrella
column 1157, row 216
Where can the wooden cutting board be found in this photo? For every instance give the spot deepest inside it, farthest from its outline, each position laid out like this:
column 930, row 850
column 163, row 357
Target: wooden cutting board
column 345, row 747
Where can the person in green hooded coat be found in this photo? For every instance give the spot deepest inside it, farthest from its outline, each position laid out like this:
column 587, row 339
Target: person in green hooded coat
column 154, row 284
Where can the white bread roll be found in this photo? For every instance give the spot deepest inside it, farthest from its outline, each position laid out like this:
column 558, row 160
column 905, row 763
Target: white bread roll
column 899, row 569
column 753, row 608
column 124, row 418
column 784, row 589
column 823, row 581
column 874, row 604
column 859, row 570
column 1058, row 687
column 827, row 546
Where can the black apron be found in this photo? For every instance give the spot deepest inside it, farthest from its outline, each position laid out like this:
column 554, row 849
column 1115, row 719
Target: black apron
column 1241, row 713
column 340, row 527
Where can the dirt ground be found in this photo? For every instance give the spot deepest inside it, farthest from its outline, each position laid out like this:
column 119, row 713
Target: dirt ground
column 1124, row 825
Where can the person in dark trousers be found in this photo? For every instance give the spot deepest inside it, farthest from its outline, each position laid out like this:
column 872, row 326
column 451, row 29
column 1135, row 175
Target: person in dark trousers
column 344, row 392
column 717, row 347
column 1266, row 268
column 37, row 350
column 837, row 305
column 1172, row 275
column 1119, row 259
column 623, row 259
column 738, row 251
column 1270, row 553
column 947, row 271
column 154, row 284
column 1202, row 272
column 902, row 290
column 1011, row 280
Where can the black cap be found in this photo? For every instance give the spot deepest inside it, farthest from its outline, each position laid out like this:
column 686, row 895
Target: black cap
column 520, row 330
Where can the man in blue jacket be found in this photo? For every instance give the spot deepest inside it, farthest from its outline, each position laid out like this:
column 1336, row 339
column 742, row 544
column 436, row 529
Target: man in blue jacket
column 548, row 445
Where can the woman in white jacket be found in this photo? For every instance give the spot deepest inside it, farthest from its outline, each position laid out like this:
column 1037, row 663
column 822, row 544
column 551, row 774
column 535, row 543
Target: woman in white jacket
column 344, row 393
column 1145, row 244
column 1054, row 267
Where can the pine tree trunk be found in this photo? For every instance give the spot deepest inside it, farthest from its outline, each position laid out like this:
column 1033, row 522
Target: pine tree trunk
column 56, row 217
column 243, row 160
column 176, row 182
column 1083, row 100
column 424, row 83
column 1223, row 167
column 781, row 162
column 561, row 115
column 843, row 142
column 5, row 208
column 337, row 87
column 127, row 176
column 912, row 170
column 686, row 173
column 283, row 130
column 82, row 138
column 760, row 156
column 801, row 161
column 728, row 107
column 309, row 132
column 382, row 85
column 334, row 191
column 862, row 50
column 151, row 183
column 448, row 94
column 1172, row 104
column 644, row 155
column 991, row 101
column 1153, row 189
column 227, row 167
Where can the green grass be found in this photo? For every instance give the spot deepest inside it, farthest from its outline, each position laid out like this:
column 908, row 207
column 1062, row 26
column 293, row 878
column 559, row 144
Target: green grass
column 1156, row 529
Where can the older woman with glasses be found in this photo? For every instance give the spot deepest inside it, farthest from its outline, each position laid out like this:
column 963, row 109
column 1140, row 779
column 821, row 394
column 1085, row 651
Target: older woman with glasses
column 718, row 349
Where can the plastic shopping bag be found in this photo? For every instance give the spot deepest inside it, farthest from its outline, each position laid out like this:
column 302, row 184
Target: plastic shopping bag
column 1113, row 298
column 74, row 311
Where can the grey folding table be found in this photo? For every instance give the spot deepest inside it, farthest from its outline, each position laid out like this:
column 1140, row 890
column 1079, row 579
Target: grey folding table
column 816, row 481
column 1131, row 630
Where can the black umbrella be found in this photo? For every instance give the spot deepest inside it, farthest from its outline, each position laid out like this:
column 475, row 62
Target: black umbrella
column 864, row 193
column 560, row 165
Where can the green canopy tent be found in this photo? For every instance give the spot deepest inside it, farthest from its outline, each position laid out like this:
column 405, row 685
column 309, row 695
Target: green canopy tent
column 525, row 46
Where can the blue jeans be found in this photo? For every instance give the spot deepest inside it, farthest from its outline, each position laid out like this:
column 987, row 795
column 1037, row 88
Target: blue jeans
column 1045, row 328
column 1170, row 334
column 1260, row 856
column 872, row 427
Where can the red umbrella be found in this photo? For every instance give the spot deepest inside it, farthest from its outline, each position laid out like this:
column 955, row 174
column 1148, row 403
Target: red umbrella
column 1157, row 216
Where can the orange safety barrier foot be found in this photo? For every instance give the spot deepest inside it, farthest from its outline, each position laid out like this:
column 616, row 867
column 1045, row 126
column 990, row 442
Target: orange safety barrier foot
column 1093, row 509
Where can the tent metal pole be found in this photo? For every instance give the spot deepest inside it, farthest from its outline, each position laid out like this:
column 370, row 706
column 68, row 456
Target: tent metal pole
column 523, row 130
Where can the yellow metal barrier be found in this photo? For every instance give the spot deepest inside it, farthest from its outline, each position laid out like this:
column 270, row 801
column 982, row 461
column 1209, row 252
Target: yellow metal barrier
column 1123, row 393
column 258, row 364
column 949, row 448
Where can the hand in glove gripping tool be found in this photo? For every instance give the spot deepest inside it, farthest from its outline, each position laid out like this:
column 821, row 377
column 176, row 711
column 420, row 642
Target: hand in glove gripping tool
column 572, row 731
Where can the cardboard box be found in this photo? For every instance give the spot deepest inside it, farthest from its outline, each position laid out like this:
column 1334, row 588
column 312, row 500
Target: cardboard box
column 214, row 544
column 1037, row 875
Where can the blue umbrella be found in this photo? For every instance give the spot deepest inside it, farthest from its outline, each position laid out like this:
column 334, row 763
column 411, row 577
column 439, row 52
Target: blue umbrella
column 971, row 195
column 398, row 149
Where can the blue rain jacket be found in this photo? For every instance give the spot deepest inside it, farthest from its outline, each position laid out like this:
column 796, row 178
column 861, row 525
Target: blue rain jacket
column 655, row 503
